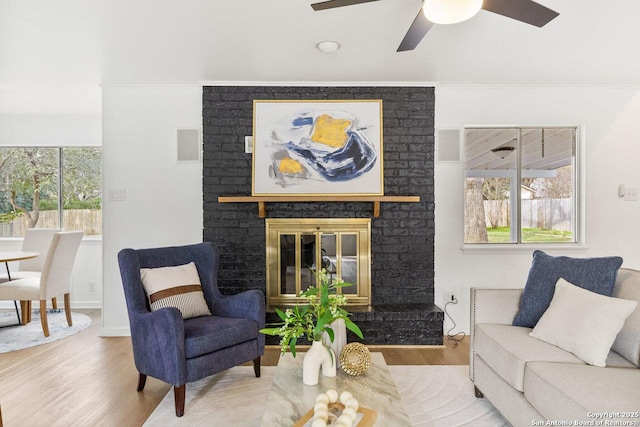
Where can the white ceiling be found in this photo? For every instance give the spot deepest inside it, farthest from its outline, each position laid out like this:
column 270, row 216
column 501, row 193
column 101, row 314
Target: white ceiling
column 84, row 43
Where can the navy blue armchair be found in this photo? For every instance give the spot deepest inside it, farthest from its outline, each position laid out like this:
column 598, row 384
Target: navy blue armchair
column 177, row 350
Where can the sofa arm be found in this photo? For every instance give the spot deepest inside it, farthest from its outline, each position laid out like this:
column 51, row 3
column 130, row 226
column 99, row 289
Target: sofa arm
column 491, row 305
column 494, row 305
column 159, row 345
column 248, row 304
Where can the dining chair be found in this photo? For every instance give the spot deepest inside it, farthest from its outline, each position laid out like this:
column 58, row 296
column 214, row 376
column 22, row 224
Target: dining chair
column 35, row 240
column 54, row 280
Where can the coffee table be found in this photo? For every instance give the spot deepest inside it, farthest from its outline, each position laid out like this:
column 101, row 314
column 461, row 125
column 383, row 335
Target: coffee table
column 289, row 399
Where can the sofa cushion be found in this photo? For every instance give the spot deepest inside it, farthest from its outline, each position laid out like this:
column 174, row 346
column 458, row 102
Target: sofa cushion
column 510, row 402
column 583, row 322
column 178, row 286
column 207, row 334
column 570, row 392
column 628, row 341
column 507, row 349
column 594, row 274
column 614, row 360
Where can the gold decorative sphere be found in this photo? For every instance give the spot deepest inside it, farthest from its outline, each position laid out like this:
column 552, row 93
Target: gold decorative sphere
column 355, row 358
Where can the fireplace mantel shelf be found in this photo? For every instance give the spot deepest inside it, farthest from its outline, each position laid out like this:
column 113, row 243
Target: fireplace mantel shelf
column 262, row 200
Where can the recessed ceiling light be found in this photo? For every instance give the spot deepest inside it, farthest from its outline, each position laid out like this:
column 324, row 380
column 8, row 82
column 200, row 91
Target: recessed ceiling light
column 328, row 46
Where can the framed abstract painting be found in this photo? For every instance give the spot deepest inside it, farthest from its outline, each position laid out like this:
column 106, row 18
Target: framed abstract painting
column 317, row 148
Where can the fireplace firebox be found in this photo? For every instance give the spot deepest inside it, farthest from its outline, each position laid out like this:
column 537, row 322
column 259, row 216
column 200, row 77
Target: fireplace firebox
column 297, row 247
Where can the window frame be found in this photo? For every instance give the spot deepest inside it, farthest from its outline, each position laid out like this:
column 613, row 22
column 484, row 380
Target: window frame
column 60, row 185
column 579, row 211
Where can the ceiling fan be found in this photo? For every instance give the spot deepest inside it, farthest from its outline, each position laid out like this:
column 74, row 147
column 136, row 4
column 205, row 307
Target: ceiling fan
column 453, row 11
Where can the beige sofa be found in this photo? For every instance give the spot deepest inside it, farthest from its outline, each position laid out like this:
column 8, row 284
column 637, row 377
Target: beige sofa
column 530, row 381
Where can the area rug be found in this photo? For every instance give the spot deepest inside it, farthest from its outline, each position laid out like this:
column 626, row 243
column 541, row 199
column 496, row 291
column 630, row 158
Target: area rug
column 19, row 337
column 438, row 396
column 443, row 396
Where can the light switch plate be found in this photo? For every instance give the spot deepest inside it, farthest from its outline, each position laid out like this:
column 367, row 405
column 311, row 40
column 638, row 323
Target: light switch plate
column 118, row 195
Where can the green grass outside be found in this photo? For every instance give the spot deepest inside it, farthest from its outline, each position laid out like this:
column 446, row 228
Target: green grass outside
column 503, row 235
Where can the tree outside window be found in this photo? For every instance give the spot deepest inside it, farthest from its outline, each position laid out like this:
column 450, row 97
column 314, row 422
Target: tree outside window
column 36, row 181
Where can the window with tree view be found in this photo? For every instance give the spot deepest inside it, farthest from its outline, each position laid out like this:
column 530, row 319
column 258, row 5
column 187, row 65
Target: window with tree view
column 50, row 187
column 520, row 185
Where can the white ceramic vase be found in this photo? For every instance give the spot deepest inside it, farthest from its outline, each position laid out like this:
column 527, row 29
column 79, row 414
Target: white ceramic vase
column 318, row 356
column 339, row 338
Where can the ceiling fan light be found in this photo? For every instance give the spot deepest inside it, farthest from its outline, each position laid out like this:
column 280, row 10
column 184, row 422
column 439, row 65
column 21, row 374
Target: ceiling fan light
column 450, row 11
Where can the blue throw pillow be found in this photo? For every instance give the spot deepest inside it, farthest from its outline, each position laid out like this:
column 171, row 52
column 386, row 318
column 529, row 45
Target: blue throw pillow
column 594, row 274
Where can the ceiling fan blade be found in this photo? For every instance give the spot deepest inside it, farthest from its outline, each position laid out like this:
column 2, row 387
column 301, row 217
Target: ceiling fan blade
column 416, row 33
column 526, row 11
column 337, row 3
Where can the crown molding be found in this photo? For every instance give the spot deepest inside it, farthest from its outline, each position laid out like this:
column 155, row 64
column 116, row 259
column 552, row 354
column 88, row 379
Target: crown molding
column 318, row 84
column 633, row 86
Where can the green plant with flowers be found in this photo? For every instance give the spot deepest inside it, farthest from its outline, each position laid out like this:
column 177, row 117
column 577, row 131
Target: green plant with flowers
column 314, row 318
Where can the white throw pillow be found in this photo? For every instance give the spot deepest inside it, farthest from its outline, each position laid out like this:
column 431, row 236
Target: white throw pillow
column 583, row 322
column 178, row 287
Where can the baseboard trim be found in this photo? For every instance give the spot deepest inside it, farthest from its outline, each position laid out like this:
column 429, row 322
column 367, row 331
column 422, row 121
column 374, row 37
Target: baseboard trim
column 382, row 346
column 115, row 332
column 89, row 305
column 77, row 305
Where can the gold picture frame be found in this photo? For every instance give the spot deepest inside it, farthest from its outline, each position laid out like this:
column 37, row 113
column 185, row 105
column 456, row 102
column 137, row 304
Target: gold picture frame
column 326, row 147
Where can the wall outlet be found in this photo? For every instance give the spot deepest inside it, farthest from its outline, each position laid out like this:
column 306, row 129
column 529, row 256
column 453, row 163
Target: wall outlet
column 92, row 286
column 450, row 296
column 631, row 194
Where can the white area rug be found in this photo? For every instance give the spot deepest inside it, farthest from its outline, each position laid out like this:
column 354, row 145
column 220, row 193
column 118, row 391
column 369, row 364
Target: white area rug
column 19, row 337
column 439, row 396
column 443, row 396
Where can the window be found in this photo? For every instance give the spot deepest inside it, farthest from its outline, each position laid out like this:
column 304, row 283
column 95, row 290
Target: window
column 520, row 185
column 50, row 187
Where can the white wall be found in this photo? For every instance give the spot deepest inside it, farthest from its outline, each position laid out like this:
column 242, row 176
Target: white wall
column 45, row 117
column 612, row 152
column 164, row 199
column 163, row 203
column 50, row 129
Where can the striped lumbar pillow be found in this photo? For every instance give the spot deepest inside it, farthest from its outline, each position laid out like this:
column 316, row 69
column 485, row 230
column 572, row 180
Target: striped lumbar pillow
column 177, row 287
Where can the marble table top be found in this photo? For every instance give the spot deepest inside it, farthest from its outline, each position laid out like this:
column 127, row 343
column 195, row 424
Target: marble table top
column 289, row 399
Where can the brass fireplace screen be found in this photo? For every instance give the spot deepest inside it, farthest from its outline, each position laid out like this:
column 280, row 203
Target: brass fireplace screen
column 298, row 246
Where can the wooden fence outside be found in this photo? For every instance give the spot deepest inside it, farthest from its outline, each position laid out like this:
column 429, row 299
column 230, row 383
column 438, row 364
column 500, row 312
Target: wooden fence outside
column 87, row 220
column 548, row 214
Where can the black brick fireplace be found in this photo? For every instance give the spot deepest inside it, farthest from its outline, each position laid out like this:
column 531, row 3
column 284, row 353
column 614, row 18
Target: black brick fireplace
column 402, row 236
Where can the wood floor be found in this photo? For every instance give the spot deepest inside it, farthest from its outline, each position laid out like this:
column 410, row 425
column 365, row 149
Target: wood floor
column 86, row 380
